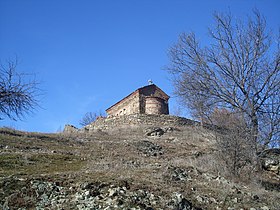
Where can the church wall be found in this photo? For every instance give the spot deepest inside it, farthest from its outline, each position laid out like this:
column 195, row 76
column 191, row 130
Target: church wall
column 155, row 105
column 145, row 100
column 129, row 105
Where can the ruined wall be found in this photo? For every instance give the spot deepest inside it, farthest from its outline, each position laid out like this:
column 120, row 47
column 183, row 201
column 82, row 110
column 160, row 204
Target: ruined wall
column 70, row 129
column 129, row 105
column 138, row 120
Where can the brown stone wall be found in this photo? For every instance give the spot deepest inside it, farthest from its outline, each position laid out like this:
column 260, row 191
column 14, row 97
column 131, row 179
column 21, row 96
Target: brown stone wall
column 142, row 104
column 155, row 105
column 70, row 129
column 115, row 122
column 129, row 105
column 146, row 100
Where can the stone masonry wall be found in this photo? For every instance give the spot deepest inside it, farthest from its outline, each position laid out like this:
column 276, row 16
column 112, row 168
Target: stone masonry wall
column 126, row 107
column 137, row 120
column 155, row 105
column 146, row 100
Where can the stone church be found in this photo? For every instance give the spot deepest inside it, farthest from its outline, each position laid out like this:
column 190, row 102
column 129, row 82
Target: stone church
column 145, row 100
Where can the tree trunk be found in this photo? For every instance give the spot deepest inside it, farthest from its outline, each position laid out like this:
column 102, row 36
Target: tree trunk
column 254, row 130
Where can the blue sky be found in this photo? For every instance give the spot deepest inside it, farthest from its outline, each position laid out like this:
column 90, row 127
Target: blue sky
column 88, row 54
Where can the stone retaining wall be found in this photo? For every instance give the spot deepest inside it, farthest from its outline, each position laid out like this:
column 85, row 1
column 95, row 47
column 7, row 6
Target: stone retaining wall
column 137, row 120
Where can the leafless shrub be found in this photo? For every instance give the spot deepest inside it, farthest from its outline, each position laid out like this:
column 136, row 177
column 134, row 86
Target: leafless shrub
column 236, row 151
column 236, row 145
column 18, row 96
column 90, row 117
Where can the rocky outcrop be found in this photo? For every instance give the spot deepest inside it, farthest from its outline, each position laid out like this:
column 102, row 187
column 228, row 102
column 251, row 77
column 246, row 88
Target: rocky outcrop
column 46, row 194
column 157, row 131
column 148, row 148
column 176, row 174
column 270, row 160
column 154, row 131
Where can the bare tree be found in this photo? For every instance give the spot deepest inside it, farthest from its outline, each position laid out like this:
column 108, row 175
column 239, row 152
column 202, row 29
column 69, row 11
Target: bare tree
column 18, row 96
column 238, row 70
column 90, row 117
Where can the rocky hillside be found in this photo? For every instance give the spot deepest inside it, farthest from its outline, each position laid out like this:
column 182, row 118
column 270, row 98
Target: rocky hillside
column 142, row 167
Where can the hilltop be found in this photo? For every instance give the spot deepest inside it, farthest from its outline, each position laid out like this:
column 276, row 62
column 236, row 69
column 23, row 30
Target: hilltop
column 140, row 166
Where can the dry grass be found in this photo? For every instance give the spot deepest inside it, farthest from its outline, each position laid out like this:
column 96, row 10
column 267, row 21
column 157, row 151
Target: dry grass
column 114, row 156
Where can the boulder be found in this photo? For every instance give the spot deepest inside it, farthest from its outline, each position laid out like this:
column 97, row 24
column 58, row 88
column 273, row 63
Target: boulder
column 154, row 131
column 270, row 160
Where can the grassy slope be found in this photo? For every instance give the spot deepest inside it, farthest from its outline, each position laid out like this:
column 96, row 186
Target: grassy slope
column 117, row 157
